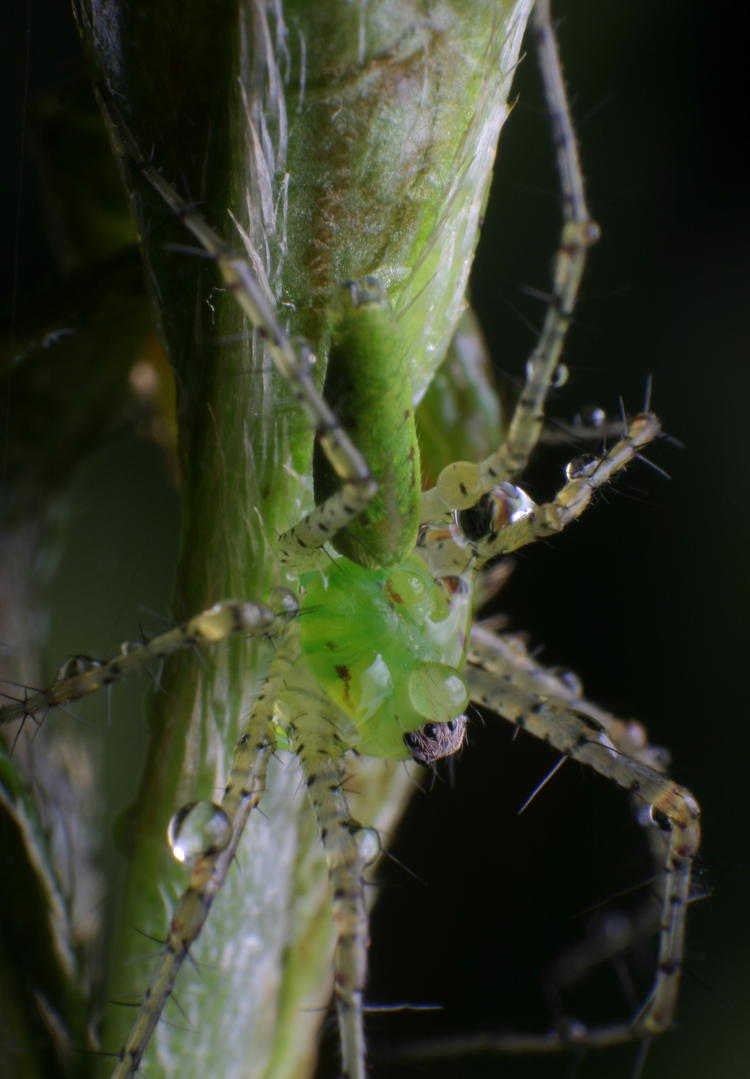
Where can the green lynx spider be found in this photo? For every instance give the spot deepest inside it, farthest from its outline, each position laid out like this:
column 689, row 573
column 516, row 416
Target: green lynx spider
column 431, row 583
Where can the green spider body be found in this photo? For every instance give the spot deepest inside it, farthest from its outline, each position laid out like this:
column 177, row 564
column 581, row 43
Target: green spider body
column 385, row 646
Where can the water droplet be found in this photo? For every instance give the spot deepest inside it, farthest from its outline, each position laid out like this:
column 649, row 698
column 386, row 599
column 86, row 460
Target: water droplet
column 590, row 416
column 517, row 503
column 284, row 602
column 560, row 376
column 571, row 681
column 305, row 355
column 128, row 647
column 660, row 819
column 614, row 929
column 76, row 665
column 581, row 466
column 533, row 368
column 198, row 829
column 368, row 844
column 252, row 943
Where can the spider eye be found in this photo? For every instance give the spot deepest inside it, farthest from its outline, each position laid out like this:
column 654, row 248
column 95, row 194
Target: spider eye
column 435, row 740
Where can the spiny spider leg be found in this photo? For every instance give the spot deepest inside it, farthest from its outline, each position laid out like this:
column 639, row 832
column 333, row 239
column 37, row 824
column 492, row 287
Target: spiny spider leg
column 505, row 679
column 243, row 791
column 630, row 763
column 507, row 658
column 208, row 627
column 585, row 476
column 349, row 849
column 584, row 740
column 579, row 232
column 357, row 484
column 463, row 483
column 517, row 521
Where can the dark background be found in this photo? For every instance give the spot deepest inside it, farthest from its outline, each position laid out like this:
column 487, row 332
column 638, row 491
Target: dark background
column 645, row 599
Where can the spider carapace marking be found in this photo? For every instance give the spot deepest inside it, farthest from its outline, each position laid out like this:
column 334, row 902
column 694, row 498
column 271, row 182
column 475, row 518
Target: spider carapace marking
column 383, row 661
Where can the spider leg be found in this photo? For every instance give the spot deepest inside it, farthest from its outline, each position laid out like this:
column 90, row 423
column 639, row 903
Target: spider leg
column 215, row 624
column 349, row 849
column 463, row 483
column 579, row 232
column 518, row 521
column 587, row 740
column 507, row 659
column 209, row 868
column 585, row 477
column 253, row 296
